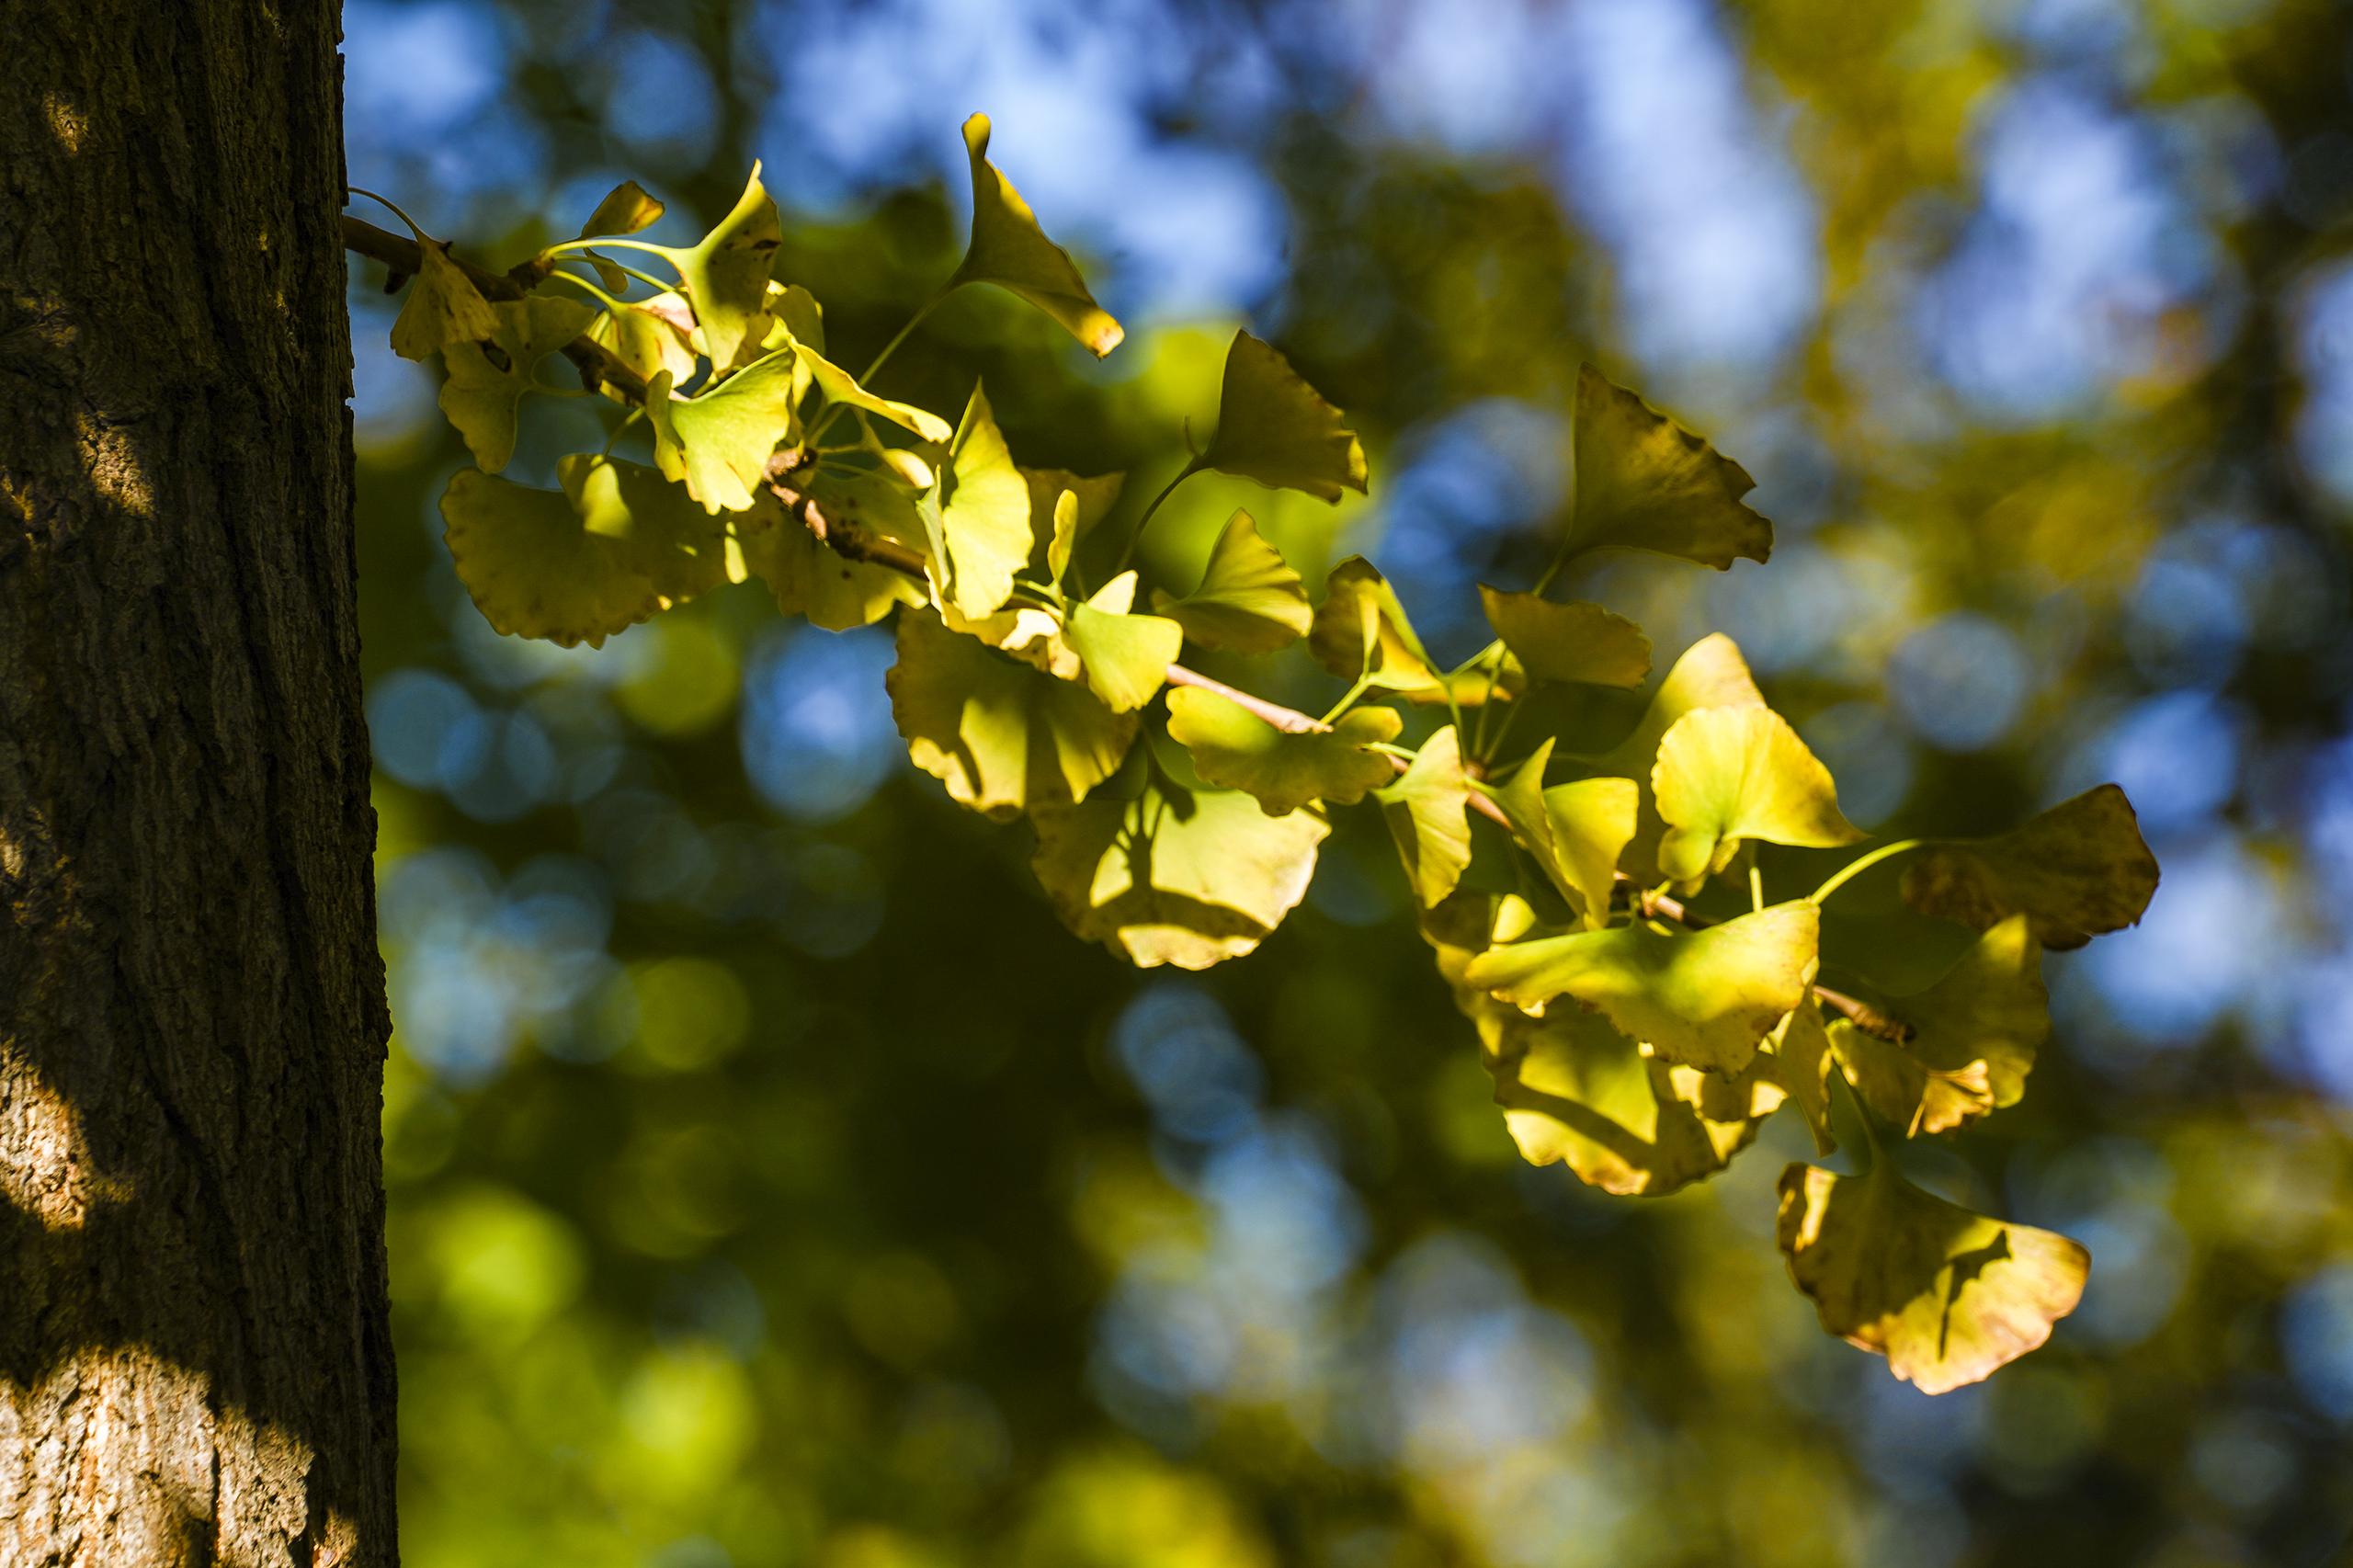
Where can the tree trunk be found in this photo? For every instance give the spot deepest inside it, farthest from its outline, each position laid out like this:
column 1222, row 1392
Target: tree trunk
column 195, row 1357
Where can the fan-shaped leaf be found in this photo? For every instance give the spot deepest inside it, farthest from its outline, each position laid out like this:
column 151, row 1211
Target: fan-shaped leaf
column 625, row 209
column 1002, row 737
column 1126, row 657
column 1273, row 427
column 1728, row 774
column 1711, row 673
column 481, row 391
column 808, row 576
column 1176, row 876
column 1569, row 641
column 719, row 443
column 1233, row 746
column 2078, row 870
column 1647, row 482
column 1355, row 596
column 648, row 338
column 1970, row 1038
column 1250, row 600
column 443, row 307
column 1053, row 537
column 726, row 278
column 656, row 528
column 1945, row 1294
column 1425, row 810
column 982, row 529
column 1704, row 999
column 1011, row 251
column 533, row 569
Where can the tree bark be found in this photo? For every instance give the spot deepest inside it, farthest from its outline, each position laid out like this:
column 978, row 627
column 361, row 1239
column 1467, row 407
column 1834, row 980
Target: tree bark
column 195, row 1354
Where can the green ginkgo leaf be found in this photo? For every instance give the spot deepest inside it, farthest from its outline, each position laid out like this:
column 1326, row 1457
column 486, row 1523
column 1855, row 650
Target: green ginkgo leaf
column 1574, row 1089
column 808, row 576
column 1126, row 657
column 1011, row 251
column 2078, row 870
column 656, row 530
column 726, row 278
column 1426, row 810
column 625, row 209
column 719, row 442
column 1054, row 538
column 1711, row 673
column 1728, row 774
column 1802, row 1061
column 1703, row 998
column 1945, row 1294
column 1644, row 481
column 1273, row 427
column 1176, row 876
column 1968, row 1041
column 980, row 517
column 1357, row 596
column 1590, row 821
column 443, row 307
column 481, row 391
column 1003, row 737
column 839, row 386
column 1250, row 600
column 1522, row 800
column 1232, row 747
column 532, row 567
column 1569, row 641
column 649, row 336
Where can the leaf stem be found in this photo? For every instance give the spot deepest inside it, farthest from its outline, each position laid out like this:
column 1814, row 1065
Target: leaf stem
column 606, row 243
column 1755, row 884
column 387, row 201
column 893, row 346
column 1856, row 868
column 577, row 282
column 1128, row 551
column 1363, row 685
column 621, row 429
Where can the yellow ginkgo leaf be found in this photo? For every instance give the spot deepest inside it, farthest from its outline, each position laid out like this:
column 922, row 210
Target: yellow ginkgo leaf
column 1425, row 812
column 1711, row 673
column 1125, row 657
column 443, row 307
column 1945, row 1294
column 980, row 517
column 1647, row 482
column 1250, row 600
column 1569, row 641
column 718, row 442
column 1011, row 251
column 1728, row 774
column 1273, row 427
column 726, row 278
column 1282, row 770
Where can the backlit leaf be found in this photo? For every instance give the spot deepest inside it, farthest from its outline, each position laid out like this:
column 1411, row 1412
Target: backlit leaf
column 486, row 384
column 796, row 315
column 1970, row 1039
column 1703, row 998
column 533, row 569
column 1126, row 657
column 443, row 307
column 1576, row 832
column 625, row 209
column 1002, row 737
column 839, row 386
column 1569, row 641
column 1728, row 774
column 1802, row 1059
column 648, row 338
column 1250, row 600
column 1425, row 810
column 719, row 443
column 726, row 277
column 1357, row 595
column 656, row 528
column 1233, row 746
column 1945, row 1294
column 1711, row 673
column 1011, row 251
column 1052, row 540
column 1176, row 876
column 1646, row 481
column 983, row 530
column 1273, row 427
column 808, row 577
column 2078, row 870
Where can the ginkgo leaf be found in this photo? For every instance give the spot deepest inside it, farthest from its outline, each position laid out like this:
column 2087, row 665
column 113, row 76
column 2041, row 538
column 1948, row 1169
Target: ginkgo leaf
column 648, row 338
column 1002, row 737
column 534, row 569
column 1801, row 1058
column 1250, row 600
column 1011, row 251
column 808, row 576
column 1178, row 875
column 1569, row 641
column 719, row 442
column 1644, row 481
column 1945, row 1294
column 1728, row 774
column 726, row 277
column 1051, row 538
column 1590, row 821
column 1273, row 427
column 656, row 530
column 1427, row 812
column 1126, row 657
column 2078, row 870
column 1574, row 1089
column 1233, row 746
column 839, row 386
column 796, row 315
column 980, row 517
column 1968, row 1041
column 481, row 393
column 1356, row 596
column 625, row 209
column 1704, row 998
column 1711, row 673
column 1522, row 800
column 443, row 307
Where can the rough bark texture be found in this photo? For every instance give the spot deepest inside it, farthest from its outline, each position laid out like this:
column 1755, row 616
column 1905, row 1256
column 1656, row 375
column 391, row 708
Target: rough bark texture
column 195, row 1357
